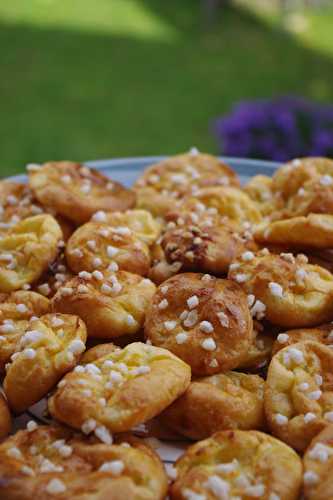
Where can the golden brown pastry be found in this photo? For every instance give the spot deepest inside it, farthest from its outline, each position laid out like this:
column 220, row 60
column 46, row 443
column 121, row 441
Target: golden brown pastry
column 26, row 250
column 259, row 189
column 229, row 400
column 322, row 334
column 161, row 269
column 203, row 320
column 318, row 463
column 17, row 202
column 204, row 247
column 299, row 392
column 98, row 351
column 76, row 191
column 121, row 389
column 95, row 246
column 110, row 304
column 284, row 289
column 5, row 417
column 314, row 231
column 164, row 184
column 259, row 353
column 140, row 222
column 50, row 462
column 50, row 346
column 238, row 465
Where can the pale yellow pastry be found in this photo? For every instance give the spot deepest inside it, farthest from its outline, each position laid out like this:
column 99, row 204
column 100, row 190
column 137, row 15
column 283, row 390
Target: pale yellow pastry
column 204, row 247
column 16, row 309
column 313, row 230
column 140, row 222
column 259, row 189
column 318, row 463
column 238, row 464
column 95, row 246
column 49, row 462
column 203, row 320
column 231, row 203
column 299, row 392
column 5, row 417
column 120, row 390
column 110, row 304
column 18, row 203
column 163, row 185
column 26, row 250
column 49, row 347
column 76, row 191
column 284, row 289
column 229, row 400
column 259, row 353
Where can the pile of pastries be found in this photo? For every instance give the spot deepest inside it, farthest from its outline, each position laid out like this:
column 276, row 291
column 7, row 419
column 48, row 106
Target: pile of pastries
column 188, row 308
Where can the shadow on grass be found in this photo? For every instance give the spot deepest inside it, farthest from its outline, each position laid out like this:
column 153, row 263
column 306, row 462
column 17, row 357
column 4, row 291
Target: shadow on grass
column 75, row 95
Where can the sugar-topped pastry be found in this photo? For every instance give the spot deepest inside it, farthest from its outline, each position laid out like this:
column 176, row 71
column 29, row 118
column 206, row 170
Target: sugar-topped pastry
column 76, row 191
column 285, row 289
column 322, row 334
column 48, row 462
column 161, row 269
column 313, row 230
column 49, row 347
column 299, row 392
column 110, row 304
column 95, row 246
column 140, row 222
column 203, row 246
column 26, row 250
column 259, row 189
column 228, row 400
column 204, row 320
column 238, row 464
column 162, row 186
column 17, row 203
column 56, row 276
column 259, row 353
column 318, row 463
column 121, row 389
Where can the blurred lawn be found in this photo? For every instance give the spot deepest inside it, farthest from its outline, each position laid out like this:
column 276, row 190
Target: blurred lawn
column 85, row 80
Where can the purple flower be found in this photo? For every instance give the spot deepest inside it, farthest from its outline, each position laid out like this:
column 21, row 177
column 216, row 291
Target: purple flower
column 279, row 129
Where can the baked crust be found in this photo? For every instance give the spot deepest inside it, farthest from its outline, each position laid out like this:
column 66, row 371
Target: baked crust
column 53, row 462
column 259, row 189
column 110, row 304
column 166, row 183
column 230, row 400
column 203, row 320
column 322, row 334
column 238, row 464
column 26, row 250
column 292, row 293
column 140, row 222
column 76, row 191
column 49, row 347
column 124, row 386
column 5, row 417
column 314, row 231
column 56, row 275
column 95, row 246
column 298, row 392
column 318, row 463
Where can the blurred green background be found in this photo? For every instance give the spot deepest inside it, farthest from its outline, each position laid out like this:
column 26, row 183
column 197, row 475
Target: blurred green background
column 83, row 79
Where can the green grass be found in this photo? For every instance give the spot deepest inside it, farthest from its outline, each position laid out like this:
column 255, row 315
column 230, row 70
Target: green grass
column 85, row 80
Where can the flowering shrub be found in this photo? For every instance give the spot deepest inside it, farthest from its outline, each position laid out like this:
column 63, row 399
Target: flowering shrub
column 279, row 129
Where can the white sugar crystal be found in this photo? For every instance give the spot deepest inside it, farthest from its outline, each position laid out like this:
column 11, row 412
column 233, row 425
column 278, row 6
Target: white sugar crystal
column 250, row 300
column 31, row 426
column 21, row 308
column 88, row 426
column 223, row 319
column 218, row 487
column 85, row 275
column 163, row 304
column 44, row 289
column 191, row 319
column 308, row 417
column 115, row 467
column 111, row 251
column 164, row 289
column 315, row 395
column 288, row 257
column 65, row 451
column 76, row 346
column 247, row 256
column 282, row 338
column 206, row 327
column 256, row 491
column 77, row 253
column 103, row 434
column 304, row 386
column 66, row 291
column 228, row 467
column 181, row 338
column 97, row 262
column 91, row 244
column 192, row 495
column 130, row 320
column 310, row 478
column 66, row 179
column 170, row 325
column 296, row 355
column 320, row 452
column 99, row 216
column 55, row 486
column 14, row 452
column 326, row 180
column 318, row 379
column 328, row 416
column 192, row 302
column 56, row 321
column 7, row 328
column 258, row 310
column 208, row 344
column 280, row 419
column 97, row 275
column 241, row 277
column 275, row 289
column 113, row 267
column 29, row 353
column 28, row 471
